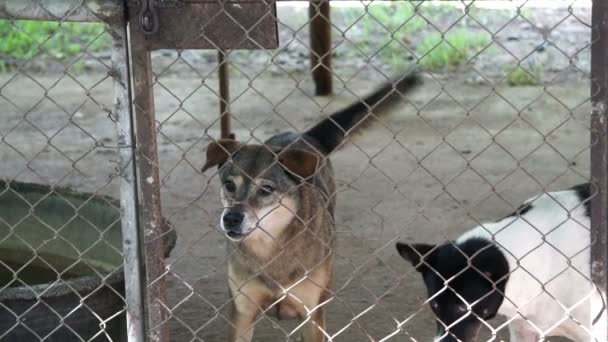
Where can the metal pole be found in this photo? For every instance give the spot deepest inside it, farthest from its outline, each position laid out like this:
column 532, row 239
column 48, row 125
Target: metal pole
column 599, row 146
column 128, row 187
column 149, row 183
column 320, row 46
column 224, row 95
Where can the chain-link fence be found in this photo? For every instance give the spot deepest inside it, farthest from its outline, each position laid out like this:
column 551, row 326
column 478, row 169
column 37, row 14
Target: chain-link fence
column 65, row 182
column 150, row 191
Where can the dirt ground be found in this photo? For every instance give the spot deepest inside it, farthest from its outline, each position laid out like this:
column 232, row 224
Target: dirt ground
column 440, row 162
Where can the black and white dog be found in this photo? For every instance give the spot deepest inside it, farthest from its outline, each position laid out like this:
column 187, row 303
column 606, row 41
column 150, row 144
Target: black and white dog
column 533, row 267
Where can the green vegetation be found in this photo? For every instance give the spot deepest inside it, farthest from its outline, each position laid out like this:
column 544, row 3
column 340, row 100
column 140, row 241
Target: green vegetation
column 438, row 51
column 23, row 40
column 387, row 30
column 392, row 31
column 398, row 18
column 519, row 76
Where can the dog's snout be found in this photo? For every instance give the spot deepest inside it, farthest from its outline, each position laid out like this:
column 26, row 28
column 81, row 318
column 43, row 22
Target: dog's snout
column 233, row 219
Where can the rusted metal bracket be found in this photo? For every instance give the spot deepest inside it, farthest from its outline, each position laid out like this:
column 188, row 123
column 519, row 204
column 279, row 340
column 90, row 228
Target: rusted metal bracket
column 203, row 24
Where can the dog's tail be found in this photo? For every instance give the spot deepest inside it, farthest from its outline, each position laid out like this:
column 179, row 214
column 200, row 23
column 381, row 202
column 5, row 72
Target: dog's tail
column 331, row 132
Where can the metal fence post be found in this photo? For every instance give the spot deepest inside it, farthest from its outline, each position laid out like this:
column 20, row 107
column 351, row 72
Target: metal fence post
column 128, row 186
column 149, row 182
column 599, row 143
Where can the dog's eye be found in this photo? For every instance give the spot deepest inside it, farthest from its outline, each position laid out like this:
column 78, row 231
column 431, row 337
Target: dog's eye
column 230, row 186
column 266, row 190
column 434, row 305
column 461, row 309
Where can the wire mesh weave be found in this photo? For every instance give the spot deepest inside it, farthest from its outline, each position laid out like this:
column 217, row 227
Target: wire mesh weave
column 503, row 115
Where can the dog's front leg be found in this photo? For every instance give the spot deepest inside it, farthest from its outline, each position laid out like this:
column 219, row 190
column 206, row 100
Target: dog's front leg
column 316, row 326
column 242, row 318
column 308, row 299
column 248, row 298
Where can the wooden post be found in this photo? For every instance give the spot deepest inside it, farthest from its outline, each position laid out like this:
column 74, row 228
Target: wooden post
column 224, row 80
column 320, row 46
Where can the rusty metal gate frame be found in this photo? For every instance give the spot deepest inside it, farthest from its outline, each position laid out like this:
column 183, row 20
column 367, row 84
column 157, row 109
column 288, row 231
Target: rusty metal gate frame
column 599, row 143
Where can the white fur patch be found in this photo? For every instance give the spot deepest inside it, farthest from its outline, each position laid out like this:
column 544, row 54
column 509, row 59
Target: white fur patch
column 267, row 224
column 538, row 246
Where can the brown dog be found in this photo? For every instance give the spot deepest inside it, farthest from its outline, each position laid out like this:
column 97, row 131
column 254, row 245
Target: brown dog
column 279, row 201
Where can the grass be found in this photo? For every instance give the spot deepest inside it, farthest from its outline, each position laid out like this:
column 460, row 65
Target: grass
column 399, row 18
column 455, row 48
column 401, row 21
column 519, row 76
column 391, row 32
column 22, row 40
column 386, row 29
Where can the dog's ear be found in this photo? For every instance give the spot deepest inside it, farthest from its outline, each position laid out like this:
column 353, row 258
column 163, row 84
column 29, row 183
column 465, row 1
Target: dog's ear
column 219, row 151
column 300, row 163
column 415, row 253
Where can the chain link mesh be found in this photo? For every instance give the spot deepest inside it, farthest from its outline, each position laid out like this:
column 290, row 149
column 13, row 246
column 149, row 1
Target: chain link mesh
column 60, row 232
column 503, row 115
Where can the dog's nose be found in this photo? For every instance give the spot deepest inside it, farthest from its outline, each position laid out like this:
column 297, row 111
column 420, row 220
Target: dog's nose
column 232, row 220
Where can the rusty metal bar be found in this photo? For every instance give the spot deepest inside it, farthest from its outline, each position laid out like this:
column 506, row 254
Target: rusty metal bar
column 215, row 25
column 224, row 80
column 149, row 183
column 320, row 46
column 63, row 10
column 128, row 185
column 599, row 145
